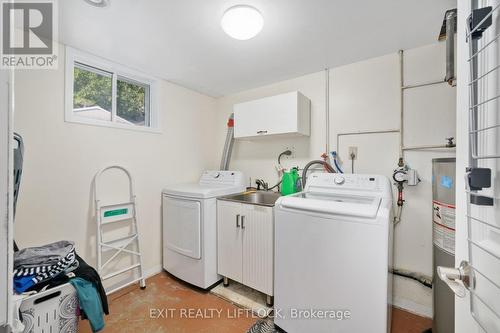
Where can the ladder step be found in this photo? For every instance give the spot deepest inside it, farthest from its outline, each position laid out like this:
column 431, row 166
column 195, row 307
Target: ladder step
column 127, row 203
column 120, row 242
column 121, row 271
column 113, row 288
column 111, row 221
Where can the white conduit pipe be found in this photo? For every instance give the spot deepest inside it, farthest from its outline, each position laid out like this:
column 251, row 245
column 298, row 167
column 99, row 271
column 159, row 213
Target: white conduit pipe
column 402, row 105
column 327, row 111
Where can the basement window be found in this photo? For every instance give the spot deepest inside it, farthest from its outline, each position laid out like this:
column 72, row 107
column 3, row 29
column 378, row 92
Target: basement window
column 99, row 92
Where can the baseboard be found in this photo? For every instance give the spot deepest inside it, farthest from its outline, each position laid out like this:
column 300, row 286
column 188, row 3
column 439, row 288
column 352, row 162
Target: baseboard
column 153, row 271
column 412, row 307
column 413, row 297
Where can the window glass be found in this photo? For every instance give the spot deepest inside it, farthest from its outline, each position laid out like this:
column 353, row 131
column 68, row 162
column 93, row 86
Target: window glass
column 103, row 93
column 132, row 103
column 92, row 92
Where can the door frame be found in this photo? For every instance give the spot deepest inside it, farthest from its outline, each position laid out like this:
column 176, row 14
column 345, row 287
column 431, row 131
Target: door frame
column 464, row 322
column 6, row 198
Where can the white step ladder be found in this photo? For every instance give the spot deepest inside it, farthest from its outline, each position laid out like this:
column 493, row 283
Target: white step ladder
column 124, row 212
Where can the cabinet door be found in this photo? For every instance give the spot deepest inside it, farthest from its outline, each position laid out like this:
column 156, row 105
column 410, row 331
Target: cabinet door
column 258, row 249
column 229, row 240
column 281, row 114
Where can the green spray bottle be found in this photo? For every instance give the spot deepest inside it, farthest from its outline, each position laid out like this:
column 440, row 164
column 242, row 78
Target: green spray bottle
column 289, row 181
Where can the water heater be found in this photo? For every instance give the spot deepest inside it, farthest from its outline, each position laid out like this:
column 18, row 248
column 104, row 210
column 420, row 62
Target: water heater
column 443, row 238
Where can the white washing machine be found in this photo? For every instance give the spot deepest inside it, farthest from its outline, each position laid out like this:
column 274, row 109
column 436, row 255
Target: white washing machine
column 333, row 252
column 190, row 226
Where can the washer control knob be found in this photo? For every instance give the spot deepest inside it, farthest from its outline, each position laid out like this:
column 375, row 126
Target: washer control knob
column 339, row 180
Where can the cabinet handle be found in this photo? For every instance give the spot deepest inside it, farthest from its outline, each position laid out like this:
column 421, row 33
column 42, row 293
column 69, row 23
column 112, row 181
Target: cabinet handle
column 243, row 222
column 238, row 221
column 261, row 132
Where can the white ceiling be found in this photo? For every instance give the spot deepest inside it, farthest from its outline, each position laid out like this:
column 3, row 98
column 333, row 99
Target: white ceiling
column 182, row 41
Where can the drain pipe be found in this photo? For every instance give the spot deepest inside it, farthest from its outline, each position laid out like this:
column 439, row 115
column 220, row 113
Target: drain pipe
column 228, row 145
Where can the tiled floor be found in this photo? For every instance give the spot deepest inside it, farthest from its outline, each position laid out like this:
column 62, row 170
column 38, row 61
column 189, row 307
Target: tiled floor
column 159, row 308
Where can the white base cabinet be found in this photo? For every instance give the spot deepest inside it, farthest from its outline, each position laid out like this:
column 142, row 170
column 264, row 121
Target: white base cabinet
column 245, row 244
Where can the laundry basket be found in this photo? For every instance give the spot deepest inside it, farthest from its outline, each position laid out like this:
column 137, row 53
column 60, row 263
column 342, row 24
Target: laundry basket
column 52, row 311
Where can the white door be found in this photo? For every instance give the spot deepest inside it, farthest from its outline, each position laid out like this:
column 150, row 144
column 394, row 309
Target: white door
column 478, row 137
column 229, row 240
column 182, row 226
column 6, row 193
column 258, row 247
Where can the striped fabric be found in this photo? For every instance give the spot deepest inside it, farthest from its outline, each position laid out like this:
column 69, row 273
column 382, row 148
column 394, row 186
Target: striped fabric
column 43, row 273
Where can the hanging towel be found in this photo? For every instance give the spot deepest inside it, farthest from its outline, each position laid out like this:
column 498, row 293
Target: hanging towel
column 83, row 271
column 88, row 273
column 90, row 302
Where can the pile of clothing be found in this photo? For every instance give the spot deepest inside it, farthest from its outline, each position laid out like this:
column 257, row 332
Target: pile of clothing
column 37, row 269
column 39, row 264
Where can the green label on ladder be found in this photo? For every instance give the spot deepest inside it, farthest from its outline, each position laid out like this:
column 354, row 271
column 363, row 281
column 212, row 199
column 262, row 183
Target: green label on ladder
column 116, row 212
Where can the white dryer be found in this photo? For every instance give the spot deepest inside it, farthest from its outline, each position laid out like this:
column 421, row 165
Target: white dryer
column 333, row 252
column 190, row 226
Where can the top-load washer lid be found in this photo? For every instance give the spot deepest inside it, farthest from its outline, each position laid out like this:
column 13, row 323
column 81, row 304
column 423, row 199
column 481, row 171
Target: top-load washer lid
column 212, row 184
column 341, row 194
column 339, row 204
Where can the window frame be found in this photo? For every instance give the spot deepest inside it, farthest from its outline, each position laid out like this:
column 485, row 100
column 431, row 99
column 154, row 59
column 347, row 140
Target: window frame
column 99, row 65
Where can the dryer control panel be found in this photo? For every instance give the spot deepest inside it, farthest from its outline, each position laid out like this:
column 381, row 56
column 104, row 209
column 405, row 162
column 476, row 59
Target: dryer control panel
column 222, row 177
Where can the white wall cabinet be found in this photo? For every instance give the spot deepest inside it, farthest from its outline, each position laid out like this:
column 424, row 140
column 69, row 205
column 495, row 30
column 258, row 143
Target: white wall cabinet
column 285, row 114
column 245, row 244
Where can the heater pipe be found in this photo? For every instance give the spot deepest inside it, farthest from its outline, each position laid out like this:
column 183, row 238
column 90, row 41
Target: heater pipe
column 450, row 47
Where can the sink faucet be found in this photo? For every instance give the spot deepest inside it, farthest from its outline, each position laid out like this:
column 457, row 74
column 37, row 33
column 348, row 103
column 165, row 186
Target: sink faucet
column 262, row 183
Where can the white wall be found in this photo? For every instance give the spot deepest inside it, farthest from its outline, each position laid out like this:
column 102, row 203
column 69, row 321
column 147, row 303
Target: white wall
column 366, row 96
column 61, row 159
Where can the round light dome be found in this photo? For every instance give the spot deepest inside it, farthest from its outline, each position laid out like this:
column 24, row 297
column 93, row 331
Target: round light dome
column 98, row 3
column 242, row 22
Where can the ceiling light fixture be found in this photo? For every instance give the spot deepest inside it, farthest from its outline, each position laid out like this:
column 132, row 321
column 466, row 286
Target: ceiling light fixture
column 98, row 3
column 242, row 22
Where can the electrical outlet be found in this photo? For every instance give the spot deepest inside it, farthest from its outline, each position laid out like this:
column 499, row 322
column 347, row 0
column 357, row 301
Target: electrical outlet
column 353, row 153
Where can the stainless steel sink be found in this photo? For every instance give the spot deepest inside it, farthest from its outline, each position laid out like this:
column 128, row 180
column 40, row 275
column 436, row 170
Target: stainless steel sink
column 260, row 198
